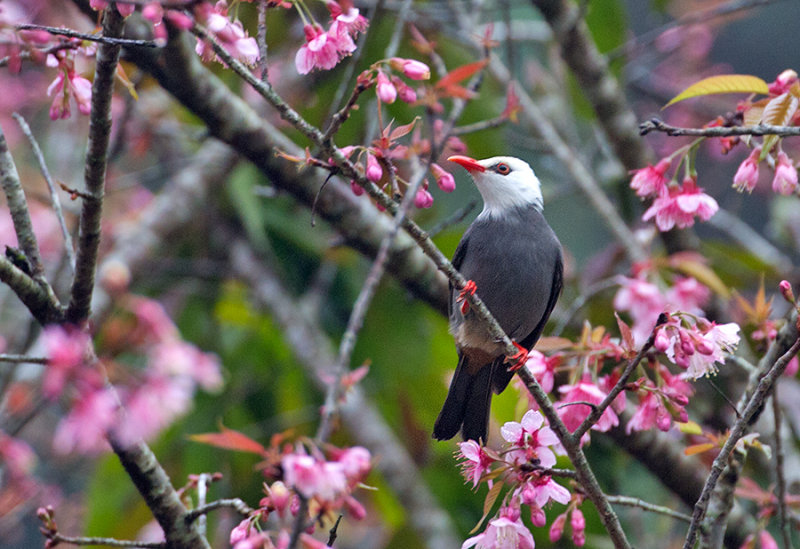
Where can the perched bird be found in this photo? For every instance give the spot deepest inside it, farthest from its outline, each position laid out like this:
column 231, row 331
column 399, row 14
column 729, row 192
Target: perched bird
column 512, row 258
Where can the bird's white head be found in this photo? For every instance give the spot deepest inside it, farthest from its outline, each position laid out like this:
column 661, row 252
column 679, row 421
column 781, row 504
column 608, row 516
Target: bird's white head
column 504, row 182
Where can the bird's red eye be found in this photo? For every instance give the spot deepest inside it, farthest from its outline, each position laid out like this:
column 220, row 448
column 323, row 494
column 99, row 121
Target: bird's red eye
column 502, row 168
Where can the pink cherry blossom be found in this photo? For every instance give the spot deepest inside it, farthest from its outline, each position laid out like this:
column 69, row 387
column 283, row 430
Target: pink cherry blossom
column 530, row 440
column 573, row 414
column 502, row 533
column 650, row 180
column 17, row 457
column 66, row 350
column 312, row 477
column 746, row 176
column 68, row 84
column 643, row 300
column 687, row 294
column 356, row 462
column 476, row 461
column 679, row 205
column 785, row 180
column 557, row 528
column 84, row 428
column 319, row 52
column 542, row 368
column 231, row 35
column 538, row 490
column 350, row 21
column 578, row 524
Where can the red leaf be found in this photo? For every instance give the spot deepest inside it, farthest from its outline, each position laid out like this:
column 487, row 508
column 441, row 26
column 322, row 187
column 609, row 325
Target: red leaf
column 230, row 440
column 400, row 131
column 460, row 73
column 625, row 330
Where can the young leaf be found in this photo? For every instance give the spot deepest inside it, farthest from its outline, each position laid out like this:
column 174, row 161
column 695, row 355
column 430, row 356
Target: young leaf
column 778, row 112
column 625, row 330
column 723, row 83
column 230, row 440
column 460, row 73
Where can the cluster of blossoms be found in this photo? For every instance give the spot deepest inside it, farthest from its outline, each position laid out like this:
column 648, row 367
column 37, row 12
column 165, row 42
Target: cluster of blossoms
column 695, row 344
column 161, row 392
column 325, row 483
column 674, row 204
column 230, row 34
column 528, row 455
column 324, row 49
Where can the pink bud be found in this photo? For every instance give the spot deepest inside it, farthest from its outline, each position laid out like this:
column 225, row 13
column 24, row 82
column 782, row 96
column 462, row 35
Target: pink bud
column 153, row 12
column 650, row 180
column 356, row 188
column 578, row 524
column 413, row 69
column 125, row 9
column 704, row 347
column 423, row 199
column 374, row 170
column 355, row 508
column 405, row 92
column 786, row 290
column 557, row 528
column 179, row 19
column 385, row 89
column 538, row 517
column 444, row 180
column 661, row 342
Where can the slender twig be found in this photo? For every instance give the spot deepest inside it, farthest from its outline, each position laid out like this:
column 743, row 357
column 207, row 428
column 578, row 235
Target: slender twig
column 23, row 359
column 341, row 116
column 780, row 475
column 597, row 411
column 261, row 39
column 454, row 219
column 636, row 502
column 755, row 402
column 42, row 303
column 235, row 503
column 95, row 170
column 656, row 124
column 108, row 542
column 495, row 122
column 51, row 186
column 333, row 533
column 102, row 39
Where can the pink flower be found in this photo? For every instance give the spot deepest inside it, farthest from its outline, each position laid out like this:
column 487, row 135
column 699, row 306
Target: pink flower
column 557, row 528
column 502, row 533
column 231, row 36
column 573, row 414
column 423, row 199
column 179, row 358
column 540, row 489
column 444, row 179
column 687, row 294
column 319, row 52
column 650, row 412
column 356, row 463
column 650, row 180
column 312, row 477
column 405, row 92
column 385, row 89
column 530, row 440
column 765, row 541
column 66, row 351
column 241, row 532
column 476, row 461
column 413, row 69
column 123, row 9
column 351, row 21
column 746, row 176
column 84, row 428
column 679, row 205
column 16, row 456
column 542, row 368
column 785, row 180
column 153, row 406
column 643, row 300
column 67, row 83
column 374, row 170
column 783, row 82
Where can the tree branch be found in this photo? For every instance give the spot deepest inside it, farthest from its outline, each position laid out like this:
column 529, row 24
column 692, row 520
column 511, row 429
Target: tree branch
column 656, row 124
column 95, row 170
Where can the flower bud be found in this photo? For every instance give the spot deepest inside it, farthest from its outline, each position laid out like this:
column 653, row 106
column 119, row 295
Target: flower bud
column 423, row 199
column 786, row 291
column 385, row 89
column 413, row 69
column 374, row 170
column 444, row 179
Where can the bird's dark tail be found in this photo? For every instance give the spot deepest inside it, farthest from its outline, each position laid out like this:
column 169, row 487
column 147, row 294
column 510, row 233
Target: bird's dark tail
column 467, row 404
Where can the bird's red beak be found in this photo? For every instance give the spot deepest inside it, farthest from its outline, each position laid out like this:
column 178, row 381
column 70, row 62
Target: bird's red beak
column 469, row 164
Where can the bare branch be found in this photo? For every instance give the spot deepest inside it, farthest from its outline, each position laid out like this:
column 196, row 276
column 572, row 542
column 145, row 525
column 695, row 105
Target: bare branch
column 636, row 502
column 23, row 359
column 235, row 503
column 102, row 39
column 656, row 124
column 108, row 542
column 95, row 170
column 54, row 198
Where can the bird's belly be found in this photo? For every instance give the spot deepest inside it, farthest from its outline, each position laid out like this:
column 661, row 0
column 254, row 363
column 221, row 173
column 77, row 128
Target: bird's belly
column 473, row 339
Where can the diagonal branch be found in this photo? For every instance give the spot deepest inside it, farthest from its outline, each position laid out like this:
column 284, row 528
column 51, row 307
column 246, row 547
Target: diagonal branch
column 95, row 169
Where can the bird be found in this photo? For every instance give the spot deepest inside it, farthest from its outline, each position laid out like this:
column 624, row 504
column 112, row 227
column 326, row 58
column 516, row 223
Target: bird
column 512, row 258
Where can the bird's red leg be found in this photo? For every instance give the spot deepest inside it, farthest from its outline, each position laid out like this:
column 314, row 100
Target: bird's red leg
column 518, row 359
column 468, row 289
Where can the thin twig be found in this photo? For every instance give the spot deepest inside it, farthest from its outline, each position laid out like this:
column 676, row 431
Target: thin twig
column 51, row 186
column 102, row 39
column 656, row 124
column 454, row 219
column 95, row 170
column 780, row 475
column 261, row 39
column 495, row 122
column 108, row 542
column 235, row 503
column 636, row 502
column 23, row 359
column 755, row 402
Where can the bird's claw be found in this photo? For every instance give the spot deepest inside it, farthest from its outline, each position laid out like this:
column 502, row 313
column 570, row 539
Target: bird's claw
column 468, row 289
column 518, row 359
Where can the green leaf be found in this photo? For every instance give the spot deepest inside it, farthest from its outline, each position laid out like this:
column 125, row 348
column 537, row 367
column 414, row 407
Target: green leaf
column 723, row 83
